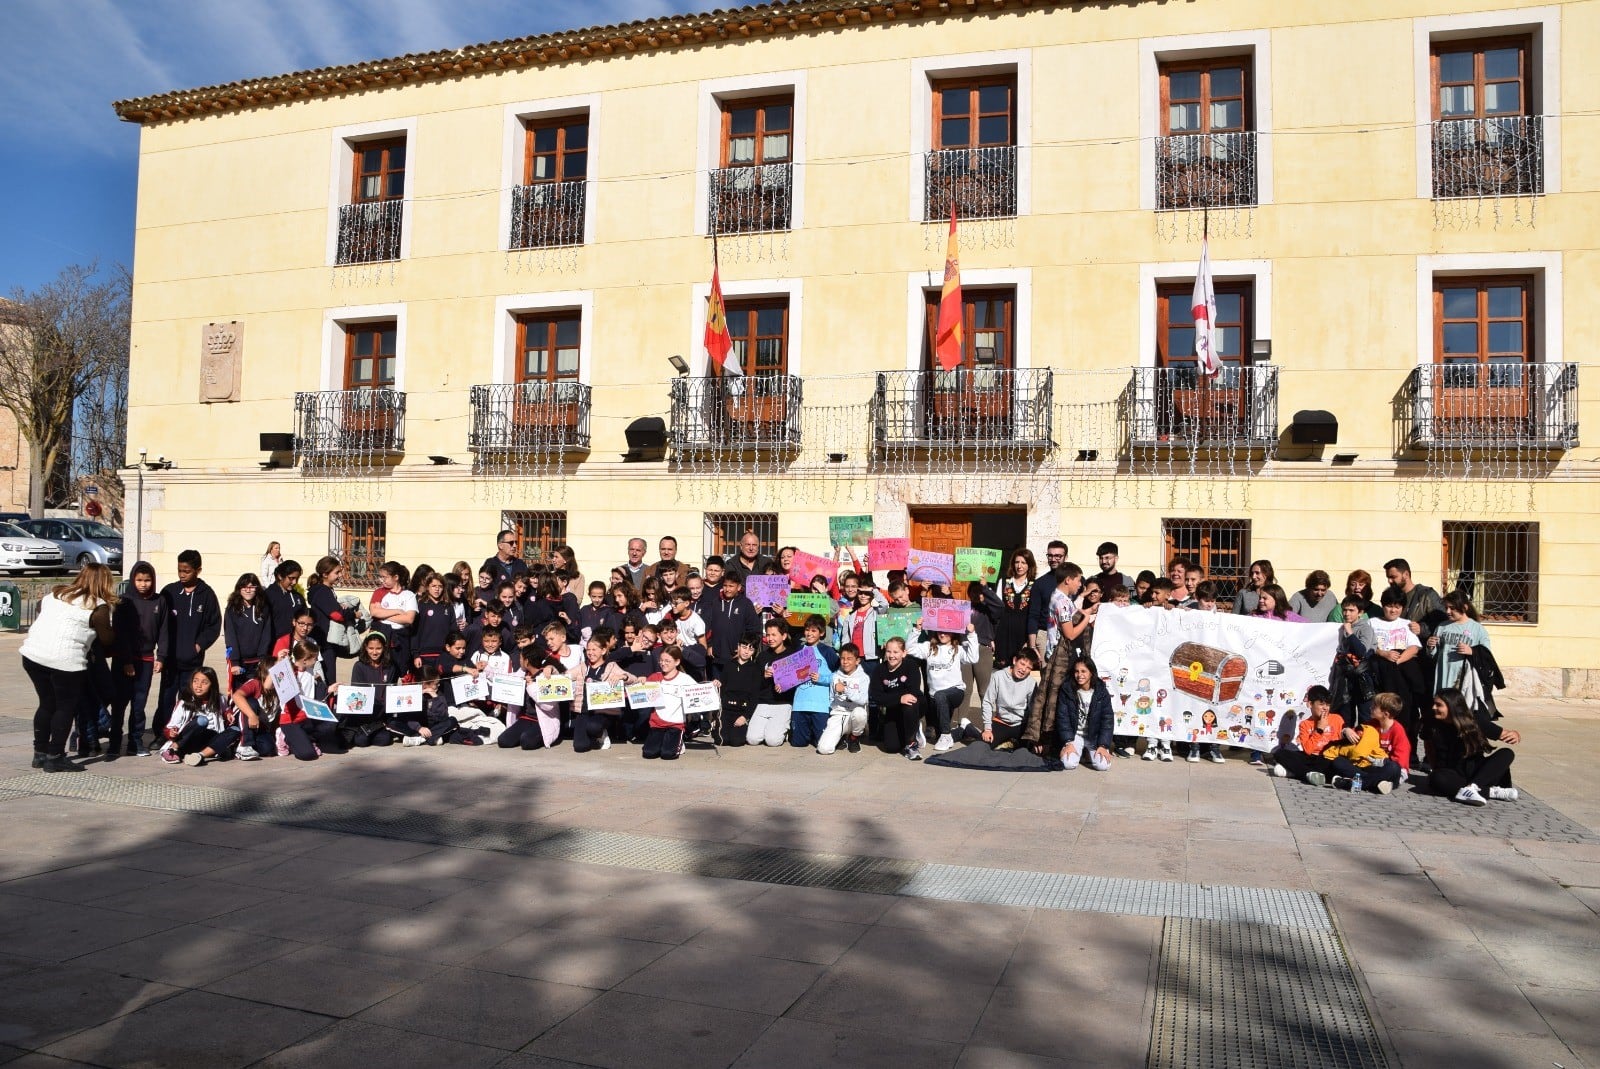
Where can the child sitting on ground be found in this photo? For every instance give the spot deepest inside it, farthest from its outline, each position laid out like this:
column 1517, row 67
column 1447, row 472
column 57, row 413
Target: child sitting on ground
column 739, row 686
column 1314, row 734
column 847, row 715
column 664, row 739
column 437, row 723
column 199, row 729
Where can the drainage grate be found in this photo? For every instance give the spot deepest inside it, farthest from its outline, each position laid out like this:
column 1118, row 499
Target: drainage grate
column 1102, row 894
column 1251, row 996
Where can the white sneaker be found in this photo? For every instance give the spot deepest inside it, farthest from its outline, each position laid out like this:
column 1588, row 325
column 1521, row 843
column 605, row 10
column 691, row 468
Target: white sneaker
column 1470, row 795
column 1072, row 759
column 944, row 743
column 605, row 741
column 1504, row 794
column 1098, row 763
column 248, row 754
column 1194, row 755
column 194, row 760
column 1217, row 758
column 1166, row 753
column 1150, row 754
column 413, row 740
column 1280, row 771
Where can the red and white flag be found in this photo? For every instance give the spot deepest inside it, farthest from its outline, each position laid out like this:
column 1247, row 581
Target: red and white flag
column 947, row 347
column 1204, row 306
column 718, row 341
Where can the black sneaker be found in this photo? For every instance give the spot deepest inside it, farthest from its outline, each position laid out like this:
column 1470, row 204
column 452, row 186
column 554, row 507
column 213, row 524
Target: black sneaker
column 38, row 760
column 60, row 763
column 853, row 744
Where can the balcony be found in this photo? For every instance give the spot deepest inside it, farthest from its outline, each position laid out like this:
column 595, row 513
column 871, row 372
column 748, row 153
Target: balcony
column 747, row 200
column 547, row 215
column 349, row 423
column 1178, row 408
column 1206, row 171
column 370, row 232
column 1501, row 156
column 736, row 413
column 981, row 183
column 1492, row 406
column 529, row 418
column 969, row 408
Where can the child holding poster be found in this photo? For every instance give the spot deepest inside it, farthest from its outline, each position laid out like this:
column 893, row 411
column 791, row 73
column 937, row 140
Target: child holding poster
column 665, row 737
column 256, row 706
column 373, row 668
column 769, row 721
column 298, row 734
column 592, row 729
column 813, row 698
column 538, row 723
column 946, row 688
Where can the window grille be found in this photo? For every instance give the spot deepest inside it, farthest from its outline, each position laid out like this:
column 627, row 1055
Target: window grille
column 536, row 533
column 1221, row 547
column 724, row 529
column 360, row 541
column 1496, row 565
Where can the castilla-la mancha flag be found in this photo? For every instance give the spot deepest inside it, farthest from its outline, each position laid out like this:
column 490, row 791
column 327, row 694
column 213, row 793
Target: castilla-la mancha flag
column 947, row 337
column 718, row 341
column 1204, row 306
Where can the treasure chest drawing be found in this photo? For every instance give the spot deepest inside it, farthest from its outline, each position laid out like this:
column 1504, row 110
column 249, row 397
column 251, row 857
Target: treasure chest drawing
column 1210, row 674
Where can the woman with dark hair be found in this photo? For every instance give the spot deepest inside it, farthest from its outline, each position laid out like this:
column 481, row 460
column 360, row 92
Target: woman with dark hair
column 1011, row 624
column 1464, row 766
column 283, row 597
column 325, row 609
column 1273, row 604
column 1261, row 575
column 565, row 563
column 1454, row 644
column 246, row 629
column 1316, row 601
column 1084, row 719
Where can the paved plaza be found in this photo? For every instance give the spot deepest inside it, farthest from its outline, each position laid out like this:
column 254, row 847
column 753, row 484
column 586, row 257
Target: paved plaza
column 477, row 907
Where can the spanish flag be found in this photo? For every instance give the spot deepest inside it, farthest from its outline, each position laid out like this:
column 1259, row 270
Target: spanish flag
column 947, row 338
column 718, row 341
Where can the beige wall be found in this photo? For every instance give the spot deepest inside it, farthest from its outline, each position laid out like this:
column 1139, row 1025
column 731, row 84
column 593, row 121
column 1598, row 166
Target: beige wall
column 233, row 224
column 15, row 457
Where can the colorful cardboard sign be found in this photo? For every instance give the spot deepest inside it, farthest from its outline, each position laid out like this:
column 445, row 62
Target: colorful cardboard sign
column 702, row 698
column 599, row 694
column 646, row 695
column 766, row 590
column 470, row 689
column 403, row 700
column 351, row 700
column 887, row 554
column 849, row 530
column 978, row 565
column 284, row 683
column 807, row 566
column 926, row 566
column 316, row 710
column 553, row 689
column 946, row 614
column 897, row 623
column 788, row 672
column 809, row 604
column 508, row 690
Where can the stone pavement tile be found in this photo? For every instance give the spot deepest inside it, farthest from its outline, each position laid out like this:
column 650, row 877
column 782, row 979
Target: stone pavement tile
column 718, row 978
column 288, row 913
column 890, row 999
column 9, row 1054
column 54, row 1001
column 1094, row 1030
column 1572, row 873
column 183, row 859
column 329, row 980
column 1489, row 1007
column 296, row 873
column 195, row 899
column 1564, row 851
column 35, row 1060
column 482, row 1008
column 1558, row 918
column 623, row 1031
column 1589, row 897
column 1543, row 965
column 953, row 954
column 1465, row 959
column 13, row 966
column 821, row 903
column 581, row 960
column 979, row 1057
column 398, row 887
column 1571, row 1013
column 59, row 934
column 672, row 923
column 1254, row 834
column 1105, row 956
column 775, row 935
column 189, row 956
column 1004, row 923
column 790, row 1043
column 1426, row 1049
column 191, row 1028
column 85, row 883
column 249, row 835
column 536, row 1061
column 356, row 1045
column 447, row 937
column 362, row 850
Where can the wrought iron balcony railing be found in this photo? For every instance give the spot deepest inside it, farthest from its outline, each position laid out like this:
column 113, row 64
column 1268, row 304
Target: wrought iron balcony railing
column 965, row 408
column 349, row 423
column 1177, row 407
column 1489, row 406
column 547, row 214
column 528, row 418
column 737, row 413
column 1206, row 171
column 980, row 182
column 743, row 200
column 370, row 232
column 1500, row 156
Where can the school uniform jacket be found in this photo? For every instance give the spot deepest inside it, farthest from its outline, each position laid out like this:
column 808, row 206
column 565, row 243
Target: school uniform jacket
column 194, row 618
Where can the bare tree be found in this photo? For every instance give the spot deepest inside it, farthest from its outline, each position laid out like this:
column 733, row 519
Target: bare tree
column 64, row 372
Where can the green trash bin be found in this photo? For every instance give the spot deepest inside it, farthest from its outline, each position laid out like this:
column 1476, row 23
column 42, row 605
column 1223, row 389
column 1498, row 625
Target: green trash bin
column 10, row 607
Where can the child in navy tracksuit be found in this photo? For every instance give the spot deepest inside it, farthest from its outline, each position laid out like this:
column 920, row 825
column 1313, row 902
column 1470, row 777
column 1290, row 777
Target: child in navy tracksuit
column 139, row 626
column 374, row 668
column 437, row 724
column 247, row 630
column 739, row 686
column 194, row 622
column 256, row 708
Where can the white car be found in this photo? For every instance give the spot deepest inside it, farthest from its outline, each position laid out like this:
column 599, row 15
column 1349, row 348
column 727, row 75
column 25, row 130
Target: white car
column 22, row 552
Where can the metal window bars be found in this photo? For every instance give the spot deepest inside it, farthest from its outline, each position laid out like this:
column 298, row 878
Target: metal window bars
column 1177, row 407
column 1221, row 547
column 370, row 232
column 360, row 541
column 968, row 408
column 360, row 424
column 548, row 214
column 724, row 529
column 1496, row 406
column 537, row 532
column 981, row 183
column 1489, row 157
column 744, row 200
column 1197, row 171
column 1496, row 565
column 530, row 418
column 740, row 413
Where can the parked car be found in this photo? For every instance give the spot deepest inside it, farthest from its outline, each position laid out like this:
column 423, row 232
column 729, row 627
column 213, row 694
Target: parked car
column 14, row 517
column 80, row 541
column 22, row 552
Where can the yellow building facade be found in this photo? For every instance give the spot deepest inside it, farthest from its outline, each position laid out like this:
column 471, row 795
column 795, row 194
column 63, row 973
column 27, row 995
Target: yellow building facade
column 450, row 288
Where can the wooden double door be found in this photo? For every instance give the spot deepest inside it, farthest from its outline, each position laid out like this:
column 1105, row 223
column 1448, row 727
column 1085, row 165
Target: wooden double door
column 944, row 529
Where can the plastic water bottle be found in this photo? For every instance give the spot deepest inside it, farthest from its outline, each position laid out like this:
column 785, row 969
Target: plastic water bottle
column 1355, row 784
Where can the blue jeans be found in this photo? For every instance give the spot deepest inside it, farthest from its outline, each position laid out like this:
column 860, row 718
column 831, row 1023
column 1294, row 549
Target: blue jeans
column 805, row 729
column 132, row 695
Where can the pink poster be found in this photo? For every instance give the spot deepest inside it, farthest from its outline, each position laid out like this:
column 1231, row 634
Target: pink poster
column 945, row 614
column 887, row 554
column 788, row 672
column 765, row 590
column 807, row 566
column 926, row 566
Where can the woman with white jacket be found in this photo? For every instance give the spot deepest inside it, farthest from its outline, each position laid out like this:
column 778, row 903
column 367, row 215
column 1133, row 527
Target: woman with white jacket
column 947, row 691
column 56, row 657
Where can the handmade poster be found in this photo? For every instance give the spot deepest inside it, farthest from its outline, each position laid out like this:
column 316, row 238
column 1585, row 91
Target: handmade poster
column 946, row 614
column 403, row 700
column 808, row 604
column 788, row 672
column 284, row 682
column 553, row 689
column 926, row 566
column 702, row 698
column 468, row 689
column 807, row 566
column 351, row 700
column 765, row 590
column 1206, row 677
column 849, row 530
column 645, row 695
column 602, row 695
column 316, row 710
column 977, row 565
column 508, row 690
column 897, row 623
column 887, row 554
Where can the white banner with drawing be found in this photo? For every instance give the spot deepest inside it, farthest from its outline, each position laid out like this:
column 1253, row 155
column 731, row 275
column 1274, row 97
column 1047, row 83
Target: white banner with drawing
column 1206, row 677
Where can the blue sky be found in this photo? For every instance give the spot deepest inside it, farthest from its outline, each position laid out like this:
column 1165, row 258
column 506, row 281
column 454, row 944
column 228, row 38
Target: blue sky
column 71, row 167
